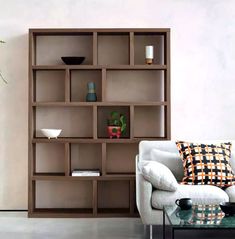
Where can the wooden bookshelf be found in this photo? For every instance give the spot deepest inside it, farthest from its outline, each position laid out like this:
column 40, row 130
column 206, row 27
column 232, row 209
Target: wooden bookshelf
column 115, row 61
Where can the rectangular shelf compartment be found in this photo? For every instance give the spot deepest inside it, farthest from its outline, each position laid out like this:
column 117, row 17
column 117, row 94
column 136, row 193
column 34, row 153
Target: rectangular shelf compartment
column 113, row 197
column 120, row 158
column 149, row 39
column 64, row 196
column 113, row 48
column 49, row 85
column 74, row 121
column 149, row 121
column 135, row 85
column 86, row 156
column 79, row 80
column 50, row 158
column 50, row 49
column 103, row 114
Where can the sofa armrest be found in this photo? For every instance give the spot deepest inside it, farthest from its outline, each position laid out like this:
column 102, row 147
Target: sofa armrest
column 143, row 194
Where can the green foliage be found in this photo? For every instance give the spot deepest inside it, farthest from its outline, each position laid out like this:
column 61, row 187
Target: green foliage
column 1, row 41
column 117, row 119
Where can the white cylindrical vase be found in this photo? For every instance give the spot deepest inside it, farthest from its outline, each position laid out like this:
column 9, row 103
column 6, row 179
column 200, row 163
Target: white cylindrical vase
column 149, row 54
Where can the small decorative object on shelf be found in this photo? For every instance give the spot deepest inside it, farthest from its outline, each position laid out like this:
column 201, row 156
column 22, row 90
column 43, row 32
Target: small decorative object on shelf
column 149, row 54
column 51, row 133
column 116, row 125
column 85, row 172
column 91, row 95
column 73, row 60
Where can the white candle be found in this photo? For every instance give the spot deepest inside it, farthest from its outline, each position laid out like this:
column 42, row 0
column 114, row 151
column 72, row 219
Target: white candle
column 149, row 52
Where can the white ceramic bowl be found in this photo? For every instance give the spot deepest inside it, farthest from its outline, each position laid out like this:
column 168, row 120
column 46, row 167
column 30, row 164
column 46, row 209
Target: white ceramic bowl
column 51, row 133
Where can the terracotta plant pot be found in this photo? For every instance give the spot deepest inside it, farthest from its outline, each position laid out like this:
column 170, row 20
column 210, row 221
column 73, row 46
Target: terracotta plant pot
column 114, row 131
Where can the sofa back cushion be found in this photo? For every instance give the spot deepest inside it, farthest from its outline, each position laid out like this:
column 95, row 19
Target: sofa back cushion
column 164, row 152
column 170, row 160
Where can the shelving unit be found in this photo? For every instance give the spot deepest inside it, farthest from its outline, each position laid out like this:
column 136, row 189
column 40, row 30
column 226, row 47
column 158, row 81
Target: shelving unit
column 115, row 61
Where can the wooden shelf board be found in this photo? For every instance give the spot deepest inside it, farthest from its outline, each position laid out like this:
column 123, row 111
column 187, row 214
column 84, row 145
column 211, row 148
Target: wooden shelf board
column 49, row 174
column 74, row 104
column 65, row 67
column 113, row 210
column 99, row 67
column 135, row 67
column 150, row 138
column 81, row 31
column 120, row 175
column 48, row 177
column 61, row 212
column 81, row 212
column 85, row 140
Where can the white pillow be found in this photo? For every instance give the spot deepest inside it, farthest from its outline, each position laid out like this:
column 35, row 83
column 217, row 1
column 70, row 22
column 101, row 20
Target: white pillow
column 159, row 176
column 170, row 160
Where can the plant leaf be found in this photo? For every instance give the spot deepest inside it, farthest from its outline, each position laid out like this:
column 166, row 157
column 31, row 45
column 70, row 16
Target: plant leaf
column 114, row 115
column 1, row 76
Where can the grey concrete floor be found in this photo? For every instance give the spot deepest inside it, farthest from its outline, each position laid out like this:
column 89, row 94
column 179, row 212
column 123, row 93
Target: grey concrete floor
column 17, row 225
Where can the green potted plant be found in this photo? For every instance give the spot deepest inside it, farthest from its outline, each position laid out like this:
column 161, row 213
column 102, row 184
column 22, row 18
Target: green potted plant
column 1, row 76
column 116, row 125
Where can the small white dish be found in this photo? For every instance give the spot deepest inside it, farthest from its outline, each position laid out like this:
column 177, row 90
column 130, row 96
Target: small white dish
column 51, row 133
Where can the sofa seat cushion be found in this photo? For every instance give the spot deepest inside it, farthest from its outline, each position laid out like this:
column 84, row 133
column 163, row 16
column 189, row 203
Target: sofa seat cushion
column 200, row 194
column 231, row 193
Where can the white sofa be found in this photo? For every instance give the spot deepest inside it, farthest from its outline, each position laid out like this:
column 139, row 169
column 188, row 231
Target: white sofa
column 150, row 200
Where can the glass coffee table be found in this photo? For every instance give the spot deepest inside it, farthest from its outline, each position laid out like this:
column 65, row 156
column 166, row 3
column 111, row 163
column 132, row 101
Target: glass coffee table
column 199, row 217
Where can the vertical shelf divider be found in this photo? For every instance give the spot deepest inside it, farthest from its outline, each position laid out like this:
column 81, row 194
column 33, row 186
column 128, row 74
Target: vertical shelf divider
column 104, row 77
column 167, row 87
column 95, row 197
column 132, row 198
column 132, row 114
column 32, row 195
column 94, row 122
column 131, row 49
column 31, row 132
column 95, row 48
column 67, row 159
column 104, row 155
column 67, row 85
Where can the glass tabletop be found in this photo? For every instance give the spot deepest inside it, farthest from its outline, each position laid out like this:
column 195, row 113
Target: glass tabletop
column 200, row 216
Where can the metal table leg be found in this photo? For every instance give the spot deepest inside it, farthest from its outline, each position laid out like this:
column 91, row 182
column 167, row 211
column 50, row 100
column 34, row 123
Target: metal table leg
column 172, row 233
column 150, row 231
column 164, row 226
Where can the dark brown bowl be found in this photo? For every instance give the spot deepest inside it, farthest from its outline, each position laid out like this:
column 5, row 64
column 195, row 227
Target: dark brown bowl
column 228, row 208
column 73, row 60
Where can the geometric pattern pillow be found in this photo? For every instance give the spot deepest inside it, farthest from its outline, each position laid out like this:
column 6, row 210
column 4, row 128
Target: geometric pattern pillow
column 206, row 164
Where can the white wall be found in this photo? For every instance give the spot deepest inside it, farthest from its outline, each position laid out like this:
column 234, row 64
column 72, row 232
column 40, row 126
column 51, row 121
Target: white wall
column 203, row 61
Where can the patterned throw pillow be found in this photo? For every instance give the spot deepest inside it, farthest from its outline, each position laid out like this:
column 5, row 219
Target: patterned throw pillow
column 206, row 164
column 206, row 214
